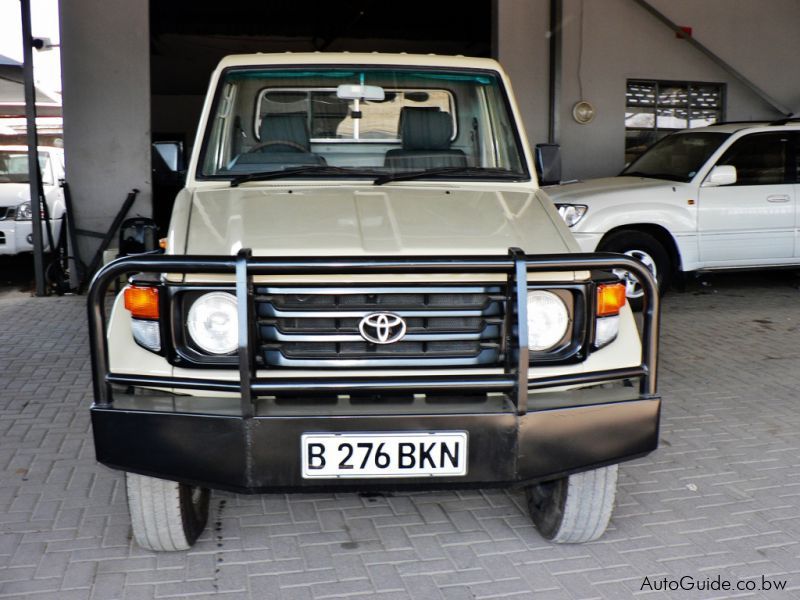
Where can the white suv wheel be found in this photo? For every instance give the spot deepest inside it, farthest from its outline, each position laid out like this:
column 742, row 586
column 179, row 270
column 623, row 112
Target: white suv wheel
column 633, row 289
column 649, row 251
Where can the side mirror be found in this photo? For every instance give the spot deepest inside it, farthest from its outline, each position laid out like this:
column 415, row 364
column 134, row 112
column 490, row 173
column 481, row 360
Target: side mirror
column 171, row 153
column 721, row 175
column 548, row 163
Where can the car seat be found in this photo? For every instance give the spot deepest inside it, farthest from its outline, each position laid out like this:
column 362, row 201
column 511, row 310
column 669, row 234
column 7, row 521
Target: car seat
column 425, row 134
column 284, row 140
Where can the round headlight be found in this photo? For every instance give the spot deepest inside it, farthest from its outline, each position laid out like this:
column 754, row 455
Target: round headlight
column 548, row 320
column 213, row 323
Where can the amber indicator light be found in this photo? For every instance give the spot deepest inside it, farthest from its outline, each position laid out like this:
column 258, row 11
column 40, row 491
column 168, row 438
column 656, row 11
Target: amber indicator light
column 142, row 302
column 610, row 299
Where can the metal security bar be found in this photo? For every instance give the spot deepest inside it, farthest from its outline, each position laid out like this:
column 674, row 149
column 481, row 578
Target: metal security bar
column 516, row 266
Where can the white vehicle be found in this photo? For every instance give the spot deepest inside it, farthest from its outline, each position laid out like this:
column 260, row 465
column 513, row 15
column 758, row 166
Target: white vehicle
column 16, row 231
column 365, row 289
column 719, row 197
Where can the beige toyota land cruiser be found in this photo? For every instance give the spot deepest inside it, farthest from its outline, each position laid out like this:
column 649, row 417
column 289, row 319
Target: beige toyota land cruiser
column 364, row 289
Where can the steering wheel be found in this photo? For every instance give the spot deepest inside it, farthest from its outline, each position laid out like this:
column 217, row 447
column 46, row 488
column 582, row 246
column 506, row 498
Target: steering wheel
column 286, row 143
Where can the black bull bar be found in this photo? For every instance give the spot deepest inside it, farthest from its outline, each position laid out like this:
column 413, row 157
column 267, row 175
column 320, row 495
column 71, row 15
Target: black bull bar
column 112, row 425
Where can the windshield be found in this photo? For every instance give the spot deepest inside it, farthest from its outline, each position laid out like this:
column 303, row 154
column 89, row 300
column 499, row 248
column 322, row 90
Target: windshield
column 336, row 122
column 677, row 157
column 14, row 167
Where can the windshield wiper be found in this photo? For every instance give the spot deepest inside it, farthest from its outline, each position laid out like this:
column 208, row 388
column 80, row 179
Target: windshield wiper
column 305, row 169
column 494, row 172
column 380, row 179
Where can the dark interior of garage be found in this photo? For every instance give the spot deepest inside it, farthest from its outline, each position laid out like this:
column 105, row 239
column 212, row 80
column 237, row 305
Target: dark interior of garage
column 187, row 40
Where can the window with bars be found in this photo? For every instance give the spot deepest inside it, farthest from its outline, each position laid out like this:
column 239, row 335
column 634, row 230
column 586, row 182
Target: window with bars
column 654, row 109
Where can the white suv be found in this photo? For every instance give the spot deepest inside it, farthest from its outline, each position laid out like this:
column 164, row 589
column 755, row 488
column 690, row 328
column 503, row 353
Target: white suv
column 717, row 197
column 15, row 207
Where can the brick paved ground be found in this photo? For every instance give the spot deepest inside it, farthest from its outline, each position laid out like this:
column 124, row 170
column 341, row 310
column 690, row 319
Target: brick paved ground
column 721, row 496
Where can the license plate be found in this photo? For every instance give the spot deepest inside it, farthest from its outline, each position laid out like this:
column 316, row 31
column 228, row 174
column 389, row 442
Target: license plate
column 372, row 455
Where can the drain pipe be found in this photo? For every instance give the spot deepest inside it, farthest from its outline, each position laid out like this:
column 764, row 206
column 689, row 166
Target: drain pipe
column 34, row 174
column 554, row 88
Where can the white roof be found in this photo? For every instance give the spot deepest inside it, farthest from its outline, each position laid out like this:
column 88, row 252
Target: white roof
column 733, row 127
column 7, row 61
column 358, row 58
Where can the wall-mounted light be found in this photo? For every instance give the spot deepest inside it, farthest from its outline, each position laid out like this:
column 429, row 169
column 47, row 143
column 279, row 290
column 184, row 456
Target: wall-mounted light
column 583, row 112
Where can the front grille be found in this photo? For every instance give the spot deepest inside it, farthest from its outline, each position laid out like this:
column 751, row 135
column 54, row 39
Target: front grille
column 2, row 238
column 319, row 327
column 4, row 210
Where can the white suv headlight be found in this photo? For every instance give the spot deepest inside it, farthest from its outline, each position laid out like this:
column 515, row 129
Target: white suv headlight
column 23, row 212
column 213, row 323
column 548, row 320
column 571, row 213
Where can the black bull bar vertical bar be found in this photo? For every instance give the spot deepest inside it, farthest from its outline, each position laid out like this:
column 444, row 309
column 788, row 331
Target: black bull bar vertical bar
column 245, row 267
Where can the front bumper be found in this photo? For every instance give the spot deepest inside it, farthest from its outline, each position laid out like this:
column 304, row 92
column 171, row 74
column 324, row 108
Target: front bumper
column 562, row 432
column 520, row 429
column 16, row 236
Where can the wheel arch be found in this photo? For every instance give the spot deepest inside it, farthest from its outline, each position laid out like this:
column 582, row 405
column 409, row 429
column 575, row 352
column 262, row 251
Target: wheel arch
column 660, row 233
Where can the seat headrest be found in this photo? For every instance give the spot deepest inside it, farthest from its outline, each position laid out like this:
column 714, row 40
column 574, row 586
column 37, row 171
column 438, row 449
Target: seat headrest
column 288, row 127
column 425, row 128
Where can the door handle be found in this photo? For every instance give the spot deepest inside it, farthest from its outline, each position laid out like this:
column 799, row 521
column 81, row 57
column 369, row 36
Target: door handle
column 778, row 198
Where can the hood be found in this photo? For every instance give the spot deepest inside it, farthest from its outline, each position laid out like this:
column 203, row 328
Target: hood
column 12, row 194
column 367, row 221
column 596, row 189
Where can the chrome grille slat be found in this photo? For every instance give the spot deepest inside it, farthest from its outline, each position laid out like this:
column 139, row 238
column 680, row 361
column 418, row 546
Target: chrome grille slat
column 274, row 335
column 277, row 359
column 269, row 311
column 362, row 349
column 342, row 291
column 347, row 329
column 319, row 327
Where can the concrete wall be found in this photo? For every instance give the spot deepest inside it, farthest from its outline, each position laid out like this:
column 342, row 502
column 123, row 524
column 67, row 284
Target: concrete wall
column 106, row 92
column 522, row 46
column 621, row 41
column 107, row 102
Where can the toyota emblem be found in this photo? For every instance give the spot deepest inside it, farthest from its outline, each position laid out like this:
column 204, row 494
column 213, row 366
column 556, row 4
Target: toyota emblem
column 382, row 328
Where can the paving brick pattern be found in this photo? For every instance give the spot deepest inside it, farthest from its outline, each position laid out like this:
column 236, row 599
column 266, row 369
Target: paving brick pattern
column 720, row 497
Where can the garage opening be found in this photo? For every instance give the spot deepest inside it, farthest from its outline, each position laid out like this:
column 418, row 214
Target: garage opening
column 187, row 40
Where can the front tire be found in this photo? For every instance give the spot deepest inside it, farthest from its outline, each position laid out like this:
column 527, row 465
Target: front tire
column 574, row 509
column 165, row 515
column 646, row 249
